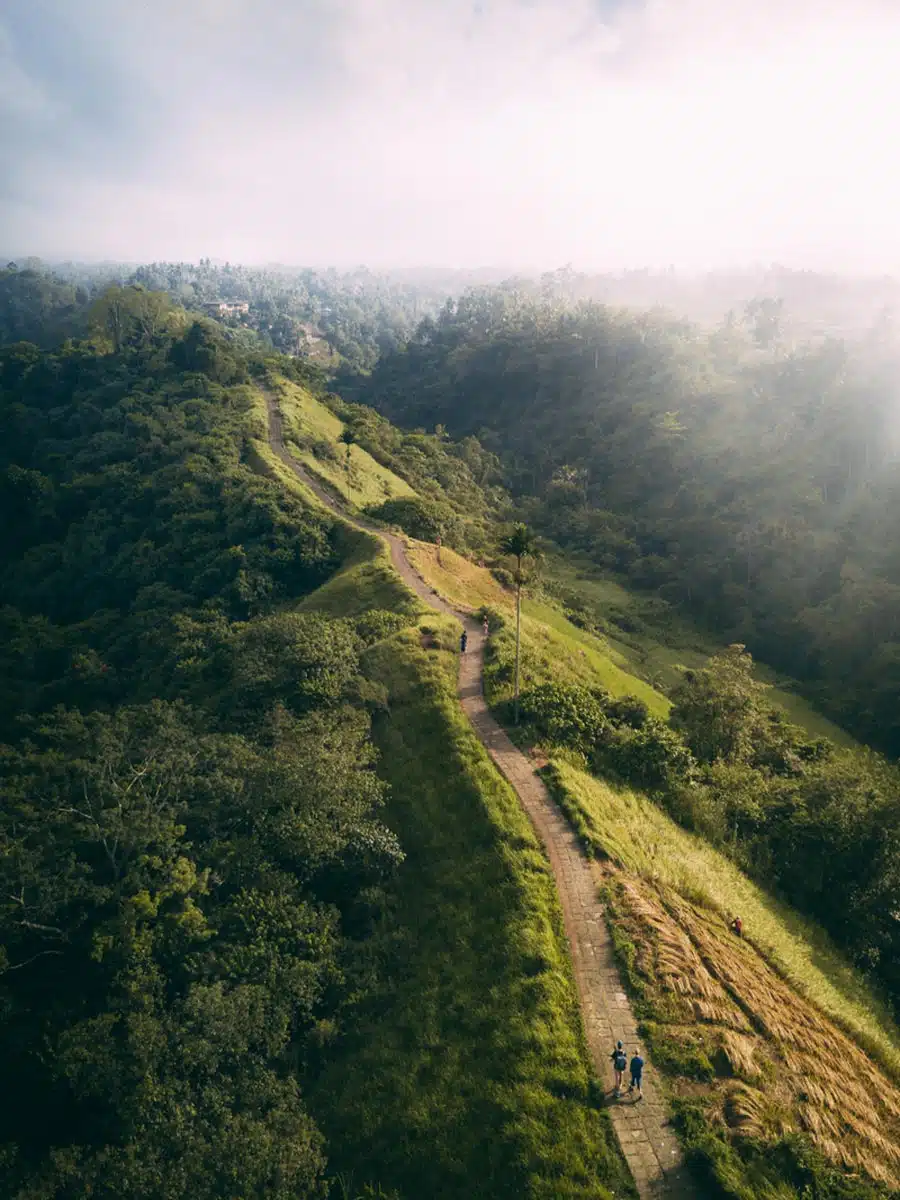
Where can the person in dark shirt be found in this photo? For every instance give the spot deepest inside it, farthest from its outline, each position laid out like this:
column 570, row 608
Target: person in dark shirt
column 463, row 642
column 637, row 1074
column 619, row 1062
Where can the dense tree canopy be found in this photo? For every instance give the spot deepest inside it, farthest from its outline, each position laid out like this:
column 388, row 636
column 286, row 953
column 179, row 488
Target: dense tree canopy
column 190, row 841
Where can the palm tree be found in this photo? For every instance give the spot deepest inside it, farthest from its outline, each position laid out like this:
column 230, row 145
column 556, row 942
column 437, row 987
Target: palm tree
column 348, row 437
column 520, row 545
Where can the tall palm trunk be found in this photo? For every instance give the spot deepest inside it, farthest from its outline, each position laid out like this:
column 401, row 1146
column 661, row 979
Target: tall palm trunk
column 518, row 639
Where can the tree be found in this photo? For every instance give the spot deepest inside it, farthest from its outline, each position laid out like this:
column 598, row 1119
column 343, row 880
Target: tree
column 130, row 314
column 719, row 710
column 348, row 437
column 521, row 545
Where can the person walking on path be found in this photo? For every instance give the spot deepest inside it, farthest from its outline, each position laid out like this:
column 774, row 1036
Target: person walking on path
column 463, row 642
column 637, row 1074
column 738, row 926
column 619, row 1062
column 485, row 628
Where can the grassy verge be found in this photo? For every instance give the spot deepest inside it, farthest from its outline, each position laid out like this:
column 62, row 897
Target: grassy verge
column 628, row 828
column 781, row 1065
column 468, row 1075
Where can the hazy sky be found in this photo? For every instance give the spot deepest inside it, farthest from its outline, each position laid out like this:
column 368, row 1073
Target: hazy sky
column 524, row 133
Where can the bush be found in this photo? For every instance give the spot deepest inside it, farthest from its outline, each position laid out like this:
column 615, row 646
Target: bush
column 325, row 451
column 423, row 519
column 628, row 710
column 377, row 624
column 566, row 714
column 652, row 757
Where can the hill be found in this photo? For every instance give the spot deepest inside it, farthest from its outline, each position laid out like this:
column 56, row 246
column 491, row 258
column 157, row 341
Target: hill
column 270, row 914
column 751, row 1032
column 666, row 885
column 750, row 483
column 245, row 944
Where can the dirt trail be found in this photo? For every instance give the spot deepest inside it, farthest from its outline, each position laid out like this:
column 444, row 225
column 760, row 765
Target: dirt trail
column 648, row 1143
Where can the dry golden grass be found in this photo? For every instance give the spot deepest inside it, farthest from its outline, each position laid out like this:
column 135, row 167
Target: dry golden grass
column 639, row 836
column 791, row 1067
column 740, row 1050
column 459, row 581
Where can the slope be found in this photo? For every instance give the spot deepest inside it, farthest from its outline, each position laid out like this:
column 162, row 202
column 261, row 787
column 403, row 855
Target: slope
column 466, row 1073
column 766, row 1161
column 762, row 1038
column 697, row 887
column 314, row 434
column 645, row 659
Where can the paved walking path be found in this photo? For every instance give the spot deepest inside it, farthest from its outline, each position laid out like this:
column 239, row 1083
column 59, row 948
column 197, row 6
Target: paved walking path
column 649, row 1145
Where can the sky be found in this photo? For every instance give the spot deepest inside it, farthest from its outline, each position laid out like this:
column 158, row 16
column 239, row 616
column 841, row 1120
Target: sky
column 519, row 133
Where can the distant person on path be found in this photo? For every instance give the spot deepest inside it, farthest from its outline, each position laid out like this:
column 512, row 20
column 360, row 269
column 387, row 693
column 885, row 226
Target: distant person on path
column 463, row 642
column 485, row 628
column 637, row 1074
column 738, row 926
column 619, row 1062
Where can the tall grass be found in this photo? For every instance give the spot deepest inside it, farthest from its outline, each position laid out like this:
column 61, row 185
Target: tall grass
column 635, row 833
column 467, row 1074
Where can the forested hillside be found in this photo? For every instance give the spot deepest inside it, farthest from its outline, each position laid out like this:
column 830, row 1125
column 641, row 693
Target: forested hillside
column 232, row 773
column 190, row 831
column 751, row 484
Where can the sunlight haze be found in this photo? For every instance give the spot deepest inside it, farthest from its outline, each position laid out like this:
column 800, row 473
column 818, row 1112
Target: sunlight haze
column 504, row 132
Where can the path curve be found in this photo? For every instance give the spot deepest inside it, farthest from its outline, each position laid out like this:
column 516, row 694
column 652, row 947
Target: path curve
column 648, row 1143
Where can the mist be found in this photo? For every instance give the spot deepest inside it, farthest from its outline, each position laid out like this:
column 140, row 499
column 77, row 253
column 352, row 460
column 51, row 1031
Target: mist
column 512, row 133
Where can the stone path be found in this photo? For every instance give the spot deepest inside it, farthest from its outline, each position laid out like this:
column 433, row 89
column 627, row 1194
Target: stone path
column 648, row 1143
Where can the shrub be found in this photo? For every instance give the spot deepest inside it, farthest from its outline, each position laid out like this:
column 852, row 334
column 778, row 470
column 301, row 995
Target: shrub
column 628, row 710
column 652, row 757
column 566, row 714
column 377, row 624
column 325, row 451
column 421, row 518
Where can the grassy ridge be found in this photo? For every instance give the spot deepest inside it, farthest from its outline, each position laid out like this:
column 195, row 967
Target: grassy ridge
column 645, row 663
column 308, row 423
column 551, row 645
column 469, row 1076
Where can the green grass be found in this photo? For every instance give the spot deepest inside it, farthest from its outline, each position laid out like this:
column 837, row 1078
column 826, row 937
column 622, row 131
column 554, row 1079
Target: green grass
column 638, row 664
column 563, row 651
column 468, row 1076
column 306, row 421
column 659, row 648
column 553, row 648
column 366, row 580
column 465, row 1073
column 635, row 833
